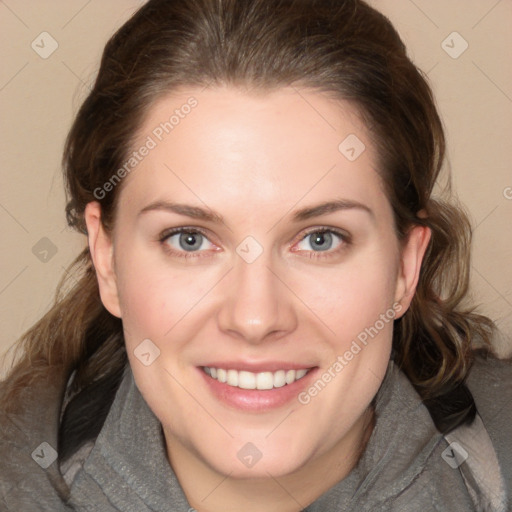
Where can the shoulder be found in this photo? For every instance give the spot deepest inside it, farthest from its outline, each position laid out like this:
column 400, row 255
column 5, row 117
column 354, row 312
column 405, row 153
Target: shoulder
column 29, row 444
column 490, row 383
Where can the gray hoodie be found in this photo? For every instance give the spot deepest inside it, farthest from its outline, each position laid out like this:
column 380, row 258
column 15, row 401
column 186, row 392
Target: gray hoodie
column 407, row 464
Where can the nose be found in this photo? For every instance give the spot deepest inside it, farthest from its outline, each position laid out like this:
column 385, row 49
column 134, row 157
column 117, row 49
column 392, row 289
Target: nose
column 257, row 305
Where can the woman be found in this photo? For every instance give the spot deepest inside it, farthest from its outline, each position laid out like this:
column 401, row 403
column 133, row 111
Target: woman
column 268, row 315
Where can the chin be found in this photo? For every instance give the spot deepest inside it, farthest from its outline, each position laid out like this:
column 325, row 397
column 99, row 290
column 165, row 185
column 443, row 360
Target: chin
column 249, row 462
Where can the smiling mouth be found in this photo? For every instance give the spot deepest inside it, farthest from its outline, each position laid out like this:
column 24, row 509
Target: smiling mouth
column 260, row 380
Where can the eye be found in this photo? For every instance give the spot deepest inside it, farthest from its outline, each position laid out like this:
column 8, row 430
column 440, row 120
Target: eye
column 185, row 240
column 192, row 242
column 323, row 240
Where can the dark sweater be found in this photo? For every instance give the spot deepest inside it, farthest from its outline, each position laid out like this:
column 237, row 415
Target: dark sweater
column 406, row 466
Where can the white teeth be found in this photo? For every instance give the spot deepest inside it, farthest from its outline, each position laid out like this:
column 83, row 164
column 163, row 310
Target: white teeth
column 279, row 379
column 300, row 373
column 232, row 379
column 249, row 380
column 265, row 380
column 290, row 376
column 246, row 380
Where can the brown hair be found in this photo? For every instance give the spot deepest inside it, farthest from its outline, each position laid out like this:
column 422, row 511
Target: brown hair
column 341, row 47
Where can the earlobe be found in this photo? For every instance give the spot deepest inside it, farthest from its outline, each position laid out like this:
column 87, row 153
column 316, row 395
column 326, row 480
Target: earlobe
column 102, row 253
column 410, row 266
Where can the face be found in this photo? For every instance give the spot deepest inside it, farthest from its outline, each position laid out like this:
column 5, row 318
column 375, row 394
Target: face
column 250, row 245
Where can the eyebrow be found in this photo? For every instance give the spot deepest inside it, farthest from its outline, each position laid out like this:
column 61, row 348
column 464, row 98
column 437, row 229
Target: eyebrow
column 205, row 214
column 187, row 210
column 330, row 207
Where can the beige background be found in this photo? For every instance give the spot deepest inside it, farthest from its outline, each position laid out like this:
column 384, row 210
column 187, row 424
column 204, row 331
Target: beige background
column 39, row 97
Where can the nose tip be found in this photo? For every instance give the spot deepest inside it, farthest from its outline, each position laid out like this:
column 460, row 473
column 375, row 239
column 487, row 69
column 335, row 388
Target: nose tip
column 256, row 305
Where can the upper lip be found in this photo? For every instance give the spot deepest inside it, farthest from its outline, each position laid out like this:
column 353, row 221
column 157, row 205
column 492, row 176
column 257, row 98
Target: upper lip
column 255, row 367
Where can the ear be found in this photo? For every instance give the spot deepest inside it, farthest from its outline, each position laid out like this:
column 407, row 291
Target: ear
column 102, row 253
column 410, row 265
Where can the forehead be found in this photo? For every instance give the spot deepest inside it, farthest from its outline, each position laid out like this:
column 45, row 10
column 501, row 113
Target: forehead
column 229, row 148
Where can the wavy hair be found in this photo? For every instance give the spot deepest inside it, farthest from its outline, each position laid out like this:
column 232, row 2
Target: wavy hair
column 343, row 48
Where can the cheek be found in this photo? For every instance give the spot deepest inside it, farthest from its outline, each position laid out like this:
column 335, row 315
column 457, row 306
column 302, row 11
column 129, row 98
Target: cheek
column 152, row 297
column 356, row 304
column 352, row 297
column 160, row 301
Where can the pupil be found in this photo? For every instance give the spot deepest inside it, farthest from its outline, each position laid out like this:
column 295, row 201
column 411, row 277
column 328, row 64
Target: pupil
column 190, row 241
column 321, row 240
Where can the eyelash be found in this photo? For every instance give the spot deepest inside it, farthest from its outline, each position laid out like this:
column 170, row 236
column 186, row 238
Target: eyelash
column 346, row 241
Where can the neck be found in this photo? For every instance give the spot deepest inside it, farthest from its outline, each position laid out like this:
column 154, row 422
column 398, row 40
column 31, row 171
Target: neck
column 210, row 491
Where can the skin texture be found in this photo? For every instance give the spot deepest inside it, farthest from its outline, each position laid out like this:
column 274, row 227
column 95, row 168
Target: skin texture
column 255, row 160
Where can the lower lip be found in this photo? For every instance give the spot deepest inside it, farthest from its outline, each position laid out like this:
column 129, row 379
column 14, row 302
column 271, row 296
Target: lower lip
column 255, row 399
